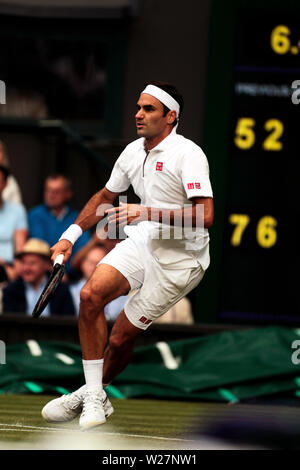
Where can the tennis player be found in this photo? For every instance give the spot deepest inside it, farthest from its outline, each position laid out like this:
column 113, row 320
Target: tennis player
column 170, row 174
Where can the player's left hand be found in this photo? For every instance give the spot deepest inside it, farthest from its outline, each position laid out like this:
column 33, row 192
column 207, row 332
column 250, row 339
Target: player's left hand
column 127, row 214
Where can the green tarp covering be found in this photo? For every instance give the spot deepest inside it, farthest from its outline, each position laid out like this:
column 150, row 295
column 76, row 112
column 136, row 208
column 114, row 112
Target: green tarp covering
column 227, row 366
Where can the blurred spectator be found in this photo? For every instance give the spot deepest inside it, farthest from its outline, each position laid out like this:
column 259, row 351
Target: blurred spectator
column 12, row 192
column 107, row 243
column 88, row 266
column 49, row 220
column 110, row 243
column 107, row 238
column 180, row 313
column 13, row 230
column 14, row 272
column 80, row 256
column 21, row 295
column 24, row 104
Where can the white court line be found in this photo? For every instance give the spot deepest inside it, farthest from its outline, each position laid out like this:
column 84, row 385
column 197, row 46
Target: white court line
column 24, row 427
column 19, row 430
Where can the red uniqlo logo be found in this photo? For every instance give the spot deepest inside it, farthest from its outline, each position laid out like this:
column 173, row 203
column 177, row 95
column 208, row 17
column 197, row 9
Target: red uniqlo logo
column 159, row 166
column 198, row 185
column 144, row 320
column 190, row 185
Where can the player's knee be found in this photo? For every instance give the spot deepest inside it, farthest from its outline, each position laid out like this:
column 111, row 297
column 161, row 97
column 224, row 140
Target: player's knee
column 120, row 342
column 85, row 295
column 90, row 299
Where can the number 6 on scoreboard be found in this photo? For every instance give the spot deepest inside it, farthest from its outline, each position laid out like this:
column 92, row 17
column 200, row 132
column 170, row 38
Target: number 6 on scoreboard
column 266, row 231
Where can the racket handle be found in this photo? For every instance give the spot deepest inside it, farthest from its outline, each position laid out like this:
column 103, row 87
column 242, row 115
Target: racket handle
column 59, row 259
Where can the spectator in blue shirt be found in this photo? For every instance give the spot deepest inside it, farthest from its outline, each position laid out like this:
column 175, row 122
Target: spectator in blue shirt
column 49, row 220
column 13, row 229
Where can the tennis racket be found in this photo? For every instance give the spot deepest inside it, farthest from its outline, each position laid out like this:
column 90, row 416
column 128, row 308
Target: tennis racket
column 49, row 290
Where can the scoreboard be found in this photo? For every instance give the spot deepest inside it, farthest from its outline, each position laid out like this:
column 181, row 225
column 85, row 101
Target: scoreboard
column 252, row 143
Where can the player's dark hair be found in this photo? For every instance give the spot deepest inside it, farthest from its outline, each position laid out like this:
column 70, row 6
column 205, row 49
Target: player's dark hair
column 171, row 90
column 4, row 171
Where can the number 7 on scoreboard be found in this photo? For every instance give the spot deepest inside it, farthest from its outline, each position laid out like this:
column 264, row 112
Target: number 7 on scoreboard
column 240, row 221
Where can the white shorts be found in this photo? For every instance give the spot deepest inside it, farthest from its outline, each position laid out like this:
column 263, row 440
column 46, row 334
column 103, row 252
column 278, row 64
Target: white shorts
column 158, row 289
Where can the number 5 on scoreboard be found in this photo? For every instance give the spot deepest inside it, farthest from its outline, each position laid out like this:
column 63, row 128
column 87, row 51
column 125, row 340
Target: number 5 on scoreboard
column 244, row 133
column 240, row 221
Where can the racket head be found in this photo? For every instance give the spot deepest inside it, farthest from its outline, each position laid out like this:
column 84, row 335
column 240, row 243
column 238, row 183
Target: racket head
column 49, row 289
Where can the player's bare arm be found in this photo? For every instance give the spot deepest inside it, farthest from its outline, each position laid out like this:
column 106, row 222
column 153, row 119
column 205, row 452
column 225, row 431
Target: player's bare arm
column 127, row 214
column 87, row 218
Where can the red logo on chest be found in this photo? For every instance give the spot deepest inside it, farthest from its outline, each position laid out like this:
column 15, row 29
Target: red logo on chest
column 190, row 185
column 159, row 166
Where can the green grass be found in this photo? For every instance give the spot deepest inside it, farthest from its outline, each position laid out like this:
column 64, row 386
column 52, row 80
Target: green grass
column 136, row 424
column 144, row 424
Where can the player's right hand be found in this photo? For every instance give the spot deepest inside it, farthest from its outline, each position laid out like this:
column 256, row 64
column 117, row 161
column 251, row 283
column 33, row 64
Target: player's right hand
column 63, row 246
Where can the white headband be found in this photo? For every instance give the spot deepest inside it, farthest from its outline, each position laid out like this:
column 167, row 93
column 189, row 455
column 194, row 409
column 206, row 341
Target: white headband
column 163, row 97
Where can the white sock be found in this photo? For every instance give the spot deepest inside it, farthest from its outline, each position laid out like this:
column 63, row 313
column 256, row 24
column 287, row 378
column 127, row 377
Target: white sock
column 93, row 373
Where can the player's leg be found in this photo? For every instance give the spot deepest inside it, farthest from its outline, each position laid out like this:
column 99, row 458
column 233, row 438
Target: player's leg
column 121, row 268
column 160, row 291
column 119, row 351
column 105, row 284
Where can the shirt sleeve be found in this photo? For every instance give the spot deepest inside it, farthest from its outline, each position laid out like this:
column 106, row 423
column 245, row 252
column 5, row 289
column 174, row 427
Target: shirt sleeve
column 195, row 174
column 21, row 217
column 118, row 181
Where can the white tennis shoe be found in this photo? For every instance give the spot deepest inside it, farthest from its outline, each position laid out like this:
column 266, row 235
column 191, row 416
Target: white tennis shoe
column 92, row 411
column 67, row 407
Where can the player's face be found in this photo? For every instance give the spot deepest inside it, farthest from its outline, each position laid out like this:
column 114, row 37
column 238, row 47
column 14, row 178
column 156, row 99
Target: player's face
column 150, row 121
column 34, row 268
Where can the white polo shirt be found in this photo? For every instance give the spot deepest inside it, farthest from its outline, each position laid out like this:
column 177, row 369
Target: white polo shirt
column 173, row 172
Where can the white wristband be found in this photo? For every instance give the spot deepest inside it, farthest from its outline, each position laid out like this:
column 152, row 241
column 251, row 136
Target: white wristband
column 72, row 233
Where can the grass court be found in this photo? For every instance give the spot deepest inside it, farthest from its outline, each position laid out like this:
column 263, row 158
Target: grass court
column 136, row 424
